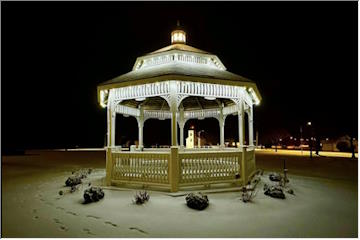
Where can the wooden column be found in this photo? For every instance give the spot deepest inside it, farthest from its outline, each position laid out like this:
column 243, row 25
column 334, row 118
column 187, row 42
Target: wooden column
column 181, row 126
column 173, row 108
column 140, row 120
column 108, row 167
column 241, row 123
column 111, row 118
column 222, row 127
column 251, row 126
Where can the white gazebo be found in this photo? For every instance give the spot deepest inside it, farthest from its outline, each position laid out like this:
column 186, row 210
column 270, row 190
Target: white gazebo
column 179, row 82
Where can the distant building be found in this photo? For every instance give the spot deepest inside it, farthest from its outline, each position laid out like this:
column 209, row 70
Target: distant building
column 329, row 145
column 190, row 140
column 340, row 144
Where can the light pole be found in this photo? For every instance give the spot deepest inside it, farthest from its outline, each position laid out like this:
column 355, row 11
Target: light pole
column 311, row 138
column 301, row 140
column 352, row 147
column 199, row 137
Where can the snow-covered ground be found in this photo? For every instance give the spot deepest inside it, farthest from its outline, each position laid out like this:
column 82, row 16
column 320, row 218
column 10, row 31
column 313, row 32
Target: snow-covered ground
column 324, row 204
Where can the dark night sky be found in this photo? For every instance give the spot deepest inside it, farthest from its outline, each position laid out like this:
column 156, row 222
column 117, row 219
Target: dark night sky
column 302, row 55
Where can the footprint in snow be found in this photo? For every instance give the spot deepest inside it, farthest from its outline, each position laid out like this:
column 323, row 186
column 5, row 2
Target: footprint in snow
column 88, row 231
column 138, row 229
column 112, row 224
column 63, row 228
column 72, row 213
column 57, row 221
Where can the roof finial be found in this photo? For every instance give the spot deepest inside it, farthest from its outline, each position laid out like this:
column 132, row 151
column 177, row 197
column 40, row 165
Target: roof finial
column 178, row 35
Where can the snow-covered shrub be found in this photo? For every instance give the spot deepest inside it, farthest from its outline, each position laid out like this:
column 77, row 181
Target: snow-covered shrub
column 274, row 191
column 276, row 177
column 247, row 196
column 93, row 194
column 197, row 201
column 141, row 197
column 72, row 181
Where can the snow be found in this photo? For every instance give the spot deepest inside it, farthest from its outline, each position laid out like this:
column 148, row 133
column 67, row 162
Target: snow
column 324, row 204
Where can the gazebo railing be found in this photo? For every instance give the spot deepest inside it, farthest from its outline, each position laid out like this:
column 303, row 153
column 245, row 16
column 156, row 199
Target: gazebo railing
column 209, row 167
column 139, row 167
column 174, row 168
column 249, row 162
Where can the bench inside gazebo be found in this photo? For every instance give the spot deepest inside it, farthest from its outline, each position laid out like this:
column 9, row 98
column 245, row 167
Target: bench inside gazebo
column 179, row 82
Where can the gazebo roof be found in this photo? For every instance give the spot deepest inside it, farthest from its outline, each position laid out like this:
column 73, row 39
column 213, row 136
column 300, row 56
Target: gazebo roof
column 181, row 62
column 177, row 70
column 179, row 46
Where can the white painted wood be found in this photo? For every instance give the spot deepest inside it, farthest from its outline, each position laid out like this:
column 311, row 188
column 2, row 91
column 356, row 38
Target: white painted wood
column 140, row 121
column 140, row 167
column 207, row 167
column 241, row 123
column 127, row 110
column 113, row 125
column 174, row 168
column 183, row 89
column 173, row 108
column 251, row 126
column 111, row 120
column 222, row 127
column 181, row 127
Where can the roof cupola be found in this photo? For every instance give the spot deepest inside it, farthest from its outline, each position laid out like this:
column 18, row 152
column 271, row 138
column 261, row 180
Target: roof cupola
column 178, row 35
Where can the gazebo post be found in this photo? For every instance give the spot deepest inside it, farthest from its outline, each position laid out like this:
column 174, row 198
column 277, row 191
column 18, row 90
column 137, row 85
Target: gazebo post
column 140, row 121
column 222, row 126
column 173, row 109
column 111, row 114
column 241, row 123
column 174, row 150
column 251, row 126
column 181, row 126
column 173, row 126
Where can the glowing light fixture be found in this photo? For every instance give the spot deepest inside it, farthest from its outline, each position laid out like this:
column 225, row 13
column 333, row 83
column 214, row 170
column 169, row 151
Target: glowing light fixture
column 254, row 96
column 103, row 98
column 178, row 36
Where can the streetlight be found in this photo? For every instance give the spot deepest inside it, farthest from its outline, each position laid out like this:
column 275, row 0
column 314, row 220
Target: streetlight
column 301, row 139
column 199, row 137
column 312, row 139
